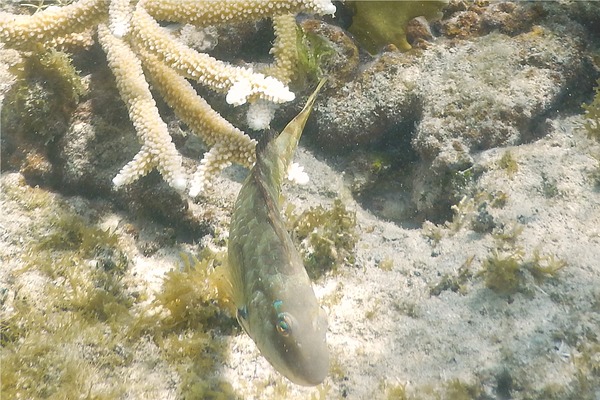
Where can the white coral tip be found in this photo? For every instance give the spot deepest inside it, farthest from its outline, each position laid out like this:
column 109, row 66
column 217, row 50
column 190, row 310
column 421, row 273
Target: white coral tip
column 276, row 91
column 327, row 7
column 238, row 93
column 297, row 175
column 260, row 114
column 119, row 180
column 120, row 29
column 179, row 183
column 195, row 190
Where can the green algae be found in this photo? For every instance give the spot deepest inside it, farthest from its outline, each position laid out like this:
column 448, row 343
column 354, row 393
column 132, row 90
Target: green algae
column 81, row 327
column 378, row 23
column 508, row 163
column 454, row 389
column 326, row 237
column 36, row 112
column 456, row 283
column 187, row 330
column 507, row 273
column 506, row 235
column 187, row 295
column 78, row 308
column 592, row 113
column 508, row 269
column 314, row 54
column 47, row 90
column 504, row 273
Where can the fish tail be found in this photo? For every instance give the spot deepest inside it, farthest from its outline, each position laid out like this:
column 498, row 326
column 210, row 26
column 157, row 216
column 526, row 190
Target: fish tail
column 277, row 155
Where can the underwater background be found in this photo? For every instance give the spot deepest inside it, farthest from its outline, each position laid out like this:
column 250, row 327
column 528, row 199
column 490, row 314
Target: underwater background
column 450, row 224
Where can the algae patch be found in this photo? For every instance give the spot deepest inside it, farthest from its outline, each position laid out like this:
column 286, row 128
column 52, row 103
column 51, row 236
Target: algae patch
column 62, row 336
column 76, row 322
column 47, row 90
column 327, row 237
column 508, row 273
column 592, row 113
column 379, row 23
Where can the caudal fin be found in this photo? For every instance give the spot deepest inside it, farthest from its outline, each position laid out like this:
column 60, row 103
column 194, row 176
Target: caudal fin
column 280, row 152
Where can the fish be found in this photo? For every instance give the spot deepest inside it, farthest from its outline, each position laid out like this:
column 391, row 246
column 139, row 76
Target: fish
column 273, row 296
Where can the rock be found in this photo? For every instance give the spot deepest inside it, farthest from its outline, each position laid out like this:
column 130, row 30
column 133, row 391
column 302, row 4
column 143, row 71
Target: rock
column 494, row 90
column 450, row 101
column 337, row 52
column 363, row 110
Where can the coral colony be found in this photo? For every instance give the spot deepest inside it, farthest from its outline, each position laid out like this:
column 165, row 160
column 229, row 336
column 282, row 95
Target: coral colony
column 139, row 50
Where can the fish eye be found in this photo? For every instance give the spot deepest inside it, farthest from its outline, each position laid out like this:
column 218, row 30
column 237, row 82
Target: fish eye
column 284, row 324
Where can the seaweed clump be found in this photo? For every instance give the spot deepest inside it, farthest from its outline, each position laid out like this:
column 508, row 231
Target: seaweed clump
column 188, row 326
column 592, row 126
column 456, row 283
column 509, row 270
column 47, row 91
column 326, row 237
column 508, row 274
column 453, row 389
column 73, row 325
column 60, row 337
column 37, row 110
column 592, row 113
column 314, row 54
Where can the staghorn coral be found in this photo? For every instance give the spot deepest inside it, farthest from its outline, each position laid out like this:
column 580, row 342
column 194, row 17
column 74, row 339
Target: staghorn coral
column 140, row 50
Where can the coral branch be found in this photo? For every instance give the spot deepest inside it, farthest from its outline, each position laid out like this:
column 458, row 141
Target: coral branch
column 135, row 42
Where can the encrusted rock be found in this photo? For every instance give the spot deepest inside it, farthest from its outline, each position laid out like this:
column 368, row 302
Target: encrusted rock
column 454, row 99
column 360, row 112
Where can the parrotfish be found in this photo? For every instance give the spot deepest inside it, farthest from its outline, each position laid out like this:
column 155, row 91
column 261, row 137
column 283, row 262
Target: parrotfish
column 272, row 293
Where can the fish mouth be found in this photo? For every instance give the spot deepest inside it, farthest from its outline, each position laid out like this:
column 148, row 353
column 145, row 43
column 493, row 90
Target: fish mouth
column 308, row 370
column 312, row 377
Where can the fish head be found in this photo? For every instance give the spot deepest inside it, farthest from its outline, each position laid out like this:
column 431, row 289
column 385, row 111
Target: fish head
column 292, row 337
